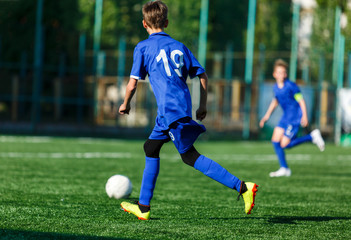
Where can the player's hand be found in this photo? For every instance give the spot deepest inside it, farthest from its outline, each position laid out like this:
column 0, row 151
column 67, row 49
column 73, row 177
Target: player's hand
column 263, row 120
column 124, row 109
column 304, row 121
column 201, row 113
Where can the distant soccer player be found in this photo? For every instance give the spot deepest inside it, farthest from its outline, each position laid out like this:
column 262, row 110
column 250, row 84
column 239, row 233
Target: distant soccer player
column 168, row 64
column 288, row 95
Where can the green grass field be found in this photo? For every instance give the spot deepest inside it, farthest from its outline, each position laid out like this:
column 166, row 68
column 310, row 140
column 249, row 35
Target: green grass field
column 54, row 188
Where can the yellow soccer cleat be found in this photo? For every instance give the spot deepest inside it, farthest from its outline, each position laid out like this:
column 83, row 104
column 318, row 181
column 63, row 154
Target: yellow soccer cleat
column 249, row 196
column 134, row 209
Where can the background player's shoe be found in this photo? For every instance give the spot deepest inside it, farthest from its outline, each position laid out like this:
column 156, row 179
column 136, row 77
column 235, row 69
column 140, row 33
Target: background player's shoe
column 318, row 139
column 249, row 196
column 282, row 172
column 134, row 209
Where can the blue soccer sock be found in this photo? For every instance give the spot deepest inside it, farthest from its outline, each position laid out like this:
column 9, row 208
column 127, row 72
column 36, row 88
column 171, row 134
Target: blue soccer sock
column 296, row 141
column 215, row 171
column 280, row 154
column 152, row 167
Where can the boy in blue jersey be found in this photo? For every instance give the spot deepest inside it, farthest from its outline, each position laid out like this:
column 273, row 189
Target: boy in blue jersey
column 168, row 63
column 288, row 95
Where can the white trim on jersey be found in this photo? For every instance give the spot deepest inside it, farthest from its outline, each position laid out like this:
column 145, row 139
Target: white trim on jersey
column 135, row 77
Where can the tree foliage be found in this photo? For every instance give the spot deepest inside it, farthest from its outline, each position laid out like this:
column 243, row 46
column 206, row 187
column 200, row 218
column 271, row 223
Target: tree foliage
column 65, row 20
column 332, row 4
column 273, row 25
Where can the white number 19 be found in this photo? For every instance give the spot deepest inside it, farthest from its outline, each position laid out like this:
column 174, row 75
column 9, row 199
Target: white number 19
column 162, row 55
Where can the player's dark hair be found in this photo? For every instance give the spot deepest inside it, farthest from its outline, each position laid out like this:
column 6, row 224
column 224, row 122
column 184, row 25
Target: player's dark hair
column 280, row 63
column 155, row 14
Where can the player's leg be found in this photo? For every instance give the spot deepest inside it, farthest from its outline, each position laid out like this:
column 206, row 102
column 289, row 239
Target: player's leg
column 278, row 138
column 291, row 134
column 152, row 165
column 297, row 141
column 314, row 137
column 210, row 168
column 218, row 173
column 285, row 141
column 183, row 133
column 318, row 139
column 152, row 148
column 141, row 209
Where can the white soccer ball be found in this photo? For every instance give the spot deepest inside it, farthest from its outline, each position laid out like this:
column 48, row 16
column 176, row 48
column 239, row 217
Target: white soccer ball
column 118, row 186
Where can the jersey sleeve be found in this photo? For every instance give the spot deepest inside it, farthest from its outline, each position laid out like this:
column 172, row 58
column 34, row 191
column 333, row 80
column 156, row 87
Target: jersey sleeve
column 296, row 92
column 195, row 68
column 138, row 70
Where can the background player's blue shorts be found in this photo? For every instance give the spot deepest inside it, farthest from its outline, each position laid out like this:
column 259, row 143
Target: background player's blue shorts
column 290, row 130
column 183, row 133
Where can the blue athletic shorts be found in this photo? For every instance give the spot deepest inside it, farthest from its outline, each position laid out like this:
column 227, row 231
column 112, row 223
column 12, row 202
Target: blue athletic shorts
column 182, row 132
column 290, row 130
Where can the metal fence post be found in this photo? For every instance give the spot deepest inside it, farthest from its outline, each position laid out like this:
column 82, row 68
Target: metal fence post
column 340, row 84
column 337, row 32
column 321, row 74
column 96, row 49
column 294, row 42
column 201, row 51
column 121, row 61
column 249, row 66
column 261, row 59
column 349, row 70
column 228, row 79
column 38, row 66
column 81, row 71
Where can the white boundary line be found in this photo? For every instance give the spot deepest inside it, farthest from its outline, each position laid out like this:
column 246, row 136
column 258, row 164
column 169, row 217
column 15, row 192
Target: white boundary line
column 56, row 155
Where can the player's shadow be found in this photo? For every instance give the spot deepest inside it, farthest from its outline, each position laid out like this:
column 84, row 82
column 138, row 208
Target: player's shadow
column 216, row 218
column 20, row 234
column 336, row 174
column 297, row 219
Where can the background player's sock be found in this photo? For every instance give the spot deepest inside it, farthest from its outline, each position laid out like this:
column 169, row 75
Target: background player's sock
column 152, row 167
column 280, row 154
column 296, row 141
column 215, row 171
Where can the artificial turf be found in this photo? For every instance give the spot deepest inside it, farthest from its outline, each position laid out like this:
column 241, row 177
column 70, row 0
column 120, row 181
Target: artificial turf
column 54, row 188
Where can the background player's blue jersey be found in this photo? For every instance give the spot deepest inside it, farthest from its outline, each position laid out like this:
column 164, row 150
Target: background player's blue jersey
column 168, row 64
column 286, row 98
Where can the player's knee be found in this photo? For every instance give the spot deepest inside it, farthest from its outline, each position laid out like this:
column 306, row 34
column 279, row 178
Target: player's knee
column 152, row 148
column 283, row 145
column 190, row 156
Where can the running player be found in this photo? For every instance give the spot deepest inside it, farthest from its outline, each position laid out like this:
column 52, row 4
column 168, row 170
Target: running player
column 168, row 63
column 288, row 95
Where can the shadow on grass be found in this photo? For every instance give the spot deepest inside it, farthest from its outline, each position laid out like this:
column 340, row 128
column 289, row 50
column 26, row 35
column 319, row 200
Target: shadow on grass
column 297, row 219
column 6, row 234
column 331, row 174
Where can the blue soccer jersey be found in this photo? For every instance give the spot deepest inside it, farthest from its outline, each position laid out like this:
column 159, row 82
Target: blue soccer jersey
column 168, row 64
column 288, row 97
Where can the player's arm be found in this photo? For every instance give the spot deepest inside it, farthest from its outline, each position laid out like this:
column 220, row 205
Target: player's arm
column 269, row 112
column 130, row 90
column 304, row 119
column 202, row 110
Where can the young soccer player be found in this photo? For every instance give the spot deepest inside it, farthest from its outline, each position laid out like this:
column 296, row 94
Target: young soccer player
column 168, row 64
column 288, row 95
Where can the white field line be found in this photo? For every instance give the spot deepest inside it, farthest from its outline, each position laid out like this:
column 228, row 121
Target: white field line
column 170, row 157
column 246, row 157
column 343, row 157
column 43, row 139
column 85, row 155
column 25, row 139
